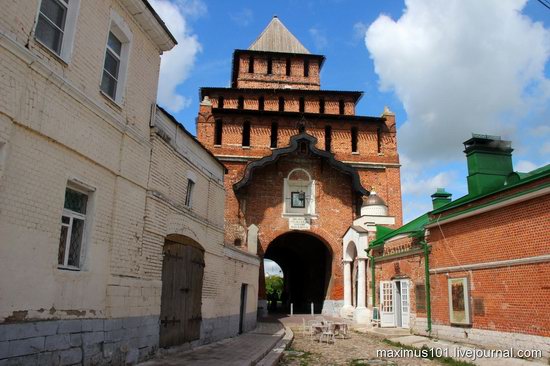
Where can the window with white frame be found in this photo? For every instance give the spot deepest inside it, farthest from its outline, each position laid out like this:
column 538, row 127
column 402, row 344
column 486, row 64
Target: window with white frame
column 299, row 193
column 73, row 221
column 56, row 25
column 115, row 65
column 189, row 192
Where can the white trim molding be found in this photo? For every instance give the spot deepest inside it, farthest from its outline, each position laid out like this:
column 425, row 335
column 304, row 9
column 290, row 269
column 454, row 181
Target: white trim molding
column 497, row 264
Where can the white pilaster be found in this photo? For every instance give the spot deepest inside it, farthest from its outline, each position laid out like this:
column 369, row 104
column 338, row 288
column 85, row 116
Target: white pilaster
column 347, row 284
column 361, row 282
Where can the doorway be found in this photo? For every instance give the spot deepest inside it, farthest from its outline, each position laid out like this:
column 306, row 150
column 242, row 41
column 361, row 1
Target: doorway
column 395, row 303
column 242, row 313
column 182, row 274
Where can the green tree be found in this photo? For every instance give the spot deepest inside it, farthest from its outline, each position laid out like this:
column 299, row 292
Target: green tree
column 274, row 286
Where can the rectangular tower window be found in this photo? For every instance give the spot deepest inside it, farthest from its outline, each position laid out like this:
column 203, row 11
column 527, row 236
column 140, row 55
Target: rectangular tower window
column 274, row 134
column 288, row 64
column 246, row 134
column 281, row 104
column 302, row 105
column 218, row 129
column 189, row 193
column 261, row 103
column 220, row 102
column 354, row 139
column 251, row 64
column 306, row 68
column 328, row 137
column 341, row 106
column 72, row 228
column 321, row 106
column 240, row 103
column 269, row 66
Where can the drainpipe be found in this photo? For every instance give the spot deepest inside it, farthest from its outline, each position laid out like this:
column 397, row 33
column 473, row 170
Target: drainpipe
column 371, row 260
column 426, row 248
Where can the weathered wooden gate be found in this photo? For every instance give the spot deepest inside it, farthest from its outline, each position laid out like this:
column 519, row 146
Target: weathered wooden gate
column 180, row 313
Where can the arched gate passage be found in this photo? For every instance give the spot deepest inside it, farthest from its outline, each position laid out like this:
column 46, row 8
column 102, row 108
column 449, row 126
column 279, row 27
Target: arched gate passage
column 306, row 264
column 182, row 274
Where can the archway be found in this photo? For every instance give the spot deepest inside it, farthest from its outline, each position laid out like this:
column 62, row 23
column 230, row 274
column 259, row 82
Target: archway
column 306, row 263
column 182, row 274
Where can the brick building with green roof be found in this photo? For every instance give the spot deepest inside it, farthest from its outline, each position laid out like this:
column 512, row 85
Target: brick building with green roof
column 487, row 254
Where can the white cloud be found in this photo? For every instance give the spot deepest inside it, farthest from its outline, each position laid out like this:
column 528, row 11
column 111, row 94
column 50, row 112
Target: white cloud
column 177, row 63
column 460, row 66
column 319, row 38
column 243, row 18
column 525, row 166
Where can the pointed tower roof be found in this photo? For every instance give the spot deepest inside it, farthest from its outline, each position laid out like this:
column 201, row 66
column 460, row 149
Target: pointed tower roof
column 277, row 38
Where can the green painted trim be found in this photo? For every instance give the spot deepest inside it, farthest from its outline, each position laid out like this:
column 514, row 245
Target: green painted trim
column 487, row 204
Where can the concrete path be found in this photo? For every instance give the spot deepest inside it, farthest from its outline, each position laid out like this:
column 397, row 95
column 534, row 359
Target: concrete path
column 245, row 349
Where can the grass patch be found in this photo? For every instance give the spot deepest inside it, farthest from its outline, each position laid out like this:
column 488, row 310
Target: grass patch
column 429, row 355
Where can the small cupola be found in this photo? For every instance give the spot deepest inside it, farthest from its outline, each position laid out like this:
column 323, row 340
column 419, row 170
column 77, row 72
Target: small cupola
column 440, row 198
column 374, row 205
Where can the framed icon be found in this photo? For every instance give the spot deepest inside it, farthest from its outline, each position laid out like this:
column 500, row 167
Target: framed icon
column 298, row 200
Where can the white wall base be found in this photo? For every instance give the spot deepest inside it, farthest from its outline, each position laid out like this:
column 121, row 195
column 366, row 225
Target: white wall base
column 262, row 308
column 486, row 338
column 362, row 316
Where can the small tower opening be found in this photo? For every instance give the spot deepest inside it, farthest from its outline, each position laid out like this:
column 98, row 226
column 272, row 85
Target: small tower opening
column 302, row 105
column 281, row 104
column 261, row 103
column 328, row 137
column 379, row 140
column 274, row 134
column 341, row 106
column 269, row 66
column 321, row 106
column 306, row 68
column 240, row 103
column 218, row 129
column 354, row 139
column 220, row 102
column 246, row 134
column 251, row 64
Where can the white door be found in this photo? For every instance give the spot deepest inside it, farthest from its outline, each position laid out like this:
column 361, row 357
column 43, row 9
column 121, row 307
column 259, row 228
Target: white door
column 387, row 309
column 405, row 304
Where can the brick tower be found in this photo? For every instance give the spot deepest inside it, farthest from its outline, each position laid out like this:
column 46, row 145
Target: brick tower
column 299, row 163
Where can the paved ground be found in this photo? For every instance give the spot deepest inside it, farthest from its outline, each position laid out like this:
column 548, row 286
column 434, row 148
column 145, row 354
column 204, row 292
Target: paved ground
column 359, row 349
column 246, row 349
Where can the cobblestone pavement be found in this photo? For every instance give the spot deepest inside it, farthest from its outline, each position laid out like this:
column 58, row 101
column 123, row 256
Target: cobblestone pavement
column 359, row 349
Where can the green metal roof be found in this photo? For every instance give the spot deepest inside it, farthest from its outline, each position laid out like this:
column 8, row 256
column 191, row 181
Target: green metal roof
column 515, row 179
column 411, row 227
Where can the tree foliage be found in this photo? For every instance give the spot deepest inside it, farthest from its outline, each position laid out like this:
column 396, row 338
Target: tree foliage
column 274, row 286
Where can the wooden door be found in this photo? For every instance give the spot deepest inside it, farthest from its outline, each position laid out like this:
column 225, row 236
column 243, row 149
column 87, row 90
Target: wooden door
column 180, row 313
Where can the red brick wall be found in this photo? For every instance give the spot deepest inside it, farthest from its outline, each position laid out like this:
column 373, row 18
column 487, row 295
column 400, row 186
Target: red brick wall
column 515, row 298
column 278, row 78
column 410, row 267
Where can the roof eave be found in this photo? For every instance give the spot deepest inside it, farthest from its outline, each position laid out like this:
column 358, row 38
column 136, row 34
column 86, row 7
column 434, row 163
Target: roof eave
column 151, row 22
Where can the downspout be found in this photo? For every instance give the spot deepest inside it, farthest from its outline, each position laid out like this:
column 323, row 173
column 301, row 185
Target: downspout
column 373, row 279
column 426, row 248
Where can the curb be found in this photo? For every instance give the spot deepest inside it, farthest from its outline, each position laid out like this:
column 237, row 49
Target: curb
column 273, row 356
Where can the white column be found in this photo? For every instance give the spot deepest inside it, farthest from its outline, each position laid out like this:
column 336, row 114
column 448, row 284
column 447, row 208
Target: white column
column 347, row 284
column 361, row 282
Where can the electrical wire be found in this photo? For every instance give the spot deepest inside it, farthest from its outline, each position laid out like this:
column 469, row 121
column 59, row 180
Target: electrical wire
column 545, row 3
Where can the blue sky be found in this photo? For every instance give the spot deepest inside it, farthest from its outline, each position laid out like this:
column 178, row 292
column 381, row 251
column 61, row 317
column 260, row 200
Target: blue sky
column 446, row 68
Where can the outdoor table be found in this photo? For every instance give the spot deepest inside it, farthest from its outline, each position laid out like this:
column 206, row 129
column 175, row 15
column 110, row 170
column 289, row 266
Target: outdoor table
column 341, row 328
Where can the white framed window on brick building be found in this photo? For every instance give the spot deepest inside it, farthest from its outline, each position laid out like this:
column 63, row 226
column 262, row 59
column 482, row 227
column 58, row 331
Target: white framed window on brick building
column 74, row 221
column 299, row 194
column 56, row 26
column 115, row 64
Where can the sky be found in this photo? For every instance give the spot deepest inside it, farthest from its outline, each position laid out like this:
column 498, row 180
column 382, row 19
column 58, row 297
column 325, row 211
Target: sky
column 446, row 68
